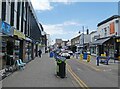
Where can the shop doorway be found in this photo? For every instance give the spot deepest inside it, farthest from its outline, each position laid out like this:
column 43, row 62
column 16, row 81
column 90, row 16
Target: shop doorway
column 9, row 49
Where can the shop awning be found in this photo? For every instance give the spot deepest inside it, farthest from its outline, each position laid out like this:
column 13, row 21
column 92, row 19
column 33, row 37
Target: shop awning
column 100, row 41
column 19, row 34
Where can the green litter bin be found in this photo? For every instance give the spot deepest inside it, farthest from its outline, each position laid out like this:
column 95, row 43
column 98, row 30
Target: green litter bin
column 61, row 67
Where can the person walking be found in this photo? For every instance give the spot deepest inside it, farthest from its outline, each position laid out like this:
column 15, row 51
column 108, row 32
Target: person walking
column 40, row 52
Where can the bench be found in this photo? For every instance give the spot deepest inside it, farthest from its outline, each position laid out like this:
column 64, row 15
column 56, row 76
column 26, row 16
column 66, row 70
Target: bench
column 19, row 64
column 102, row 59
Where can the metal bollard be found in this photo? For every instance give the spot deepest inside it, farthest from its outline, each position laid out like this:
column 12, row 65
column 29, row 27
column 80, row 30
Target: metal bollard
column 81, row 56
column 97, row 61
column 107, row 60
column 88, row 58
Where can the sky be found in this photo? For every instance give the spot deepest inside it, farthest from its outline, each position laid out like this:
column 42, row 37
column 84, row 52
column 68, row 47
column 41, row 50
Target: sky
column 63, row 19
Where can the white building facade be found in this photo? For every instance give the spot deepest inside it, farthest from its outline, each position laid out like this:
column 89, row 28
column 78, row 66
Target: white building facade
column 93, row 48
column 109, row 36
column 84, row 41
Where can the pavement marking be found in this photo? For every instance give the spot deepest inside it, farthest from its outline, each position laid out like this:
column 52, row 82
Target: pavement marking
column 89, row 65
column 79, row 69
column 77, row 76
column 107, row 70
column 80, row 82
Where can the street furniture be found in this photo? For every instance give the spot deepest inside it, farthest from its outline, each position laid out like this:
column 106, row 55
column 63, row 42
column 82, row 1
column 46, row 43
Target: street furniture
column 102, row 59
column 85, row 55
column 19, row 65
column 51, row 54
column 81, row 56
column 61, row 67
column 88, row 58
column 22, row 63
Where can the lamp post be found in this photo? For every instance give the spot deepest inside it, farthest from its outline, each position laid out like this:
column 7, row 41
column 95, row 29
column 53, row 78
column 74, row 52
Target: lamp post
column 83, row 37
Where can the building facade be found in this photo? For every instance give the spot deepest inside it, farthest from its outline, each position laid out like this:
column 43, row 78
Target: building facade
column 75, row 44
column 84, row 42
column 19, row 31
column 93, row 37
column 109, row 40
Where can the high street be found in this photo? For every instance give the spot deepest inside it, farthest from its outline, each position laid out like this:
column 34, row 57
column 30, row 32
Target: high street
column 40, row 72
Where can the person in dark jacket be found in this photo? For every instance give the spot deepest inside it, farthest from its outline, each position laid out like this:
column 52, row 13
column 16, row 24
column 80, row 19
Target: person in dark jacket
column 39, row 52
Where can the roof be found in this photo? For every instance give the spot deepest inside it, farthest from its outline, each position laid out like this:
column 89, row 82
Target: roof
column 93, row 32
column 107, row 20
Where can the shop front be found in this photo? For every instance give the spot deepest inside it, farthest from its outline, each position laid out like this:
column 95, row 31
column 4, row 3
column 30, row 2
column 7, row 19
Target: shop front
column 109, row 46
column 112, row 46
column 19, row 39
column 28, row 50
column 118, row 47
column 93, row 50
column 7, row 45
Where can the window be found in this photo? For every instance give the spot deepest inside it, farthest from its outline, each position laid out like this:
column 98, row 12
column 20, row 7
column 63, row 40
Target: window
column 18, row 14
column 12, row 14
column 15, row 17
column 22, row 14
column 3, row 11
column 105, row 34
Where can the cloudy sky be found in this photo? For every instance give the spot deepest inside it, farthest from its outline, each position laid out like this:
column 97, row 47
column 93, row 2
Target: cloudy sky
column 65, row 18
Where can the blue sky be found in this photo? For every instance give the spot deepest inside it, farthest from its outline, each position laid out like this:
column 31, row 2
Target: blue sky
column 65, row 19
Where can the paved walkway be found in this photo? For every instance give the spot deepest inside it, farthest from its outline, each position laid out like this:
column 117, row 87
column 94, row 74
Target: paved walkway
column 39, row 73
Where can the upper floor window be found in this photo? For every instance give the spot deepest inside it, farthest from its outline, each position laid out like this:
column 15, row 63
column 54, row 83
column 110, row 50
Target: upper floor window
column 3, row 11
column 105, row 34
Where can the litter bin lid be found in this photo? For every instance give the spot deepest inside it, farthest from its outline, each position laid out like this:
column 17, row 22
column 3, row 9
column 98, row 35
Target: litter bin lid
column 61, row 58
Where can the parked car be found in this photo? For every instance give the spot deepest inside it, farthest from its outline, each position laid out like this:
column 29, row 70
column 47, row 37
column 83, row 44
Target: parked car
column 65, row 54
column 70, row 52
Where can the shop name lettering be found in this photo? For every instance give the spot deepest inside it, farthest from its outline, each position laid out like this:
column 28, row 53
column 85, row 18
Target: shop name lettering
column 5, row 27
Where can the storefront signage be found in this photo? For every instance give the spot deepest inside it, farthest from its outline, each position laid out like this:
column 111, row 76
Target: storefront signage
column 6, row 29
column 118, row 40
column 19, row 34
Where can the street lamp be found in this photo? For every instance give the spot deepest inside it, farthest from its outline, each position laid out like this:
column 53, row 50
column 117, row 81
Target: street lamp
column 83, row 38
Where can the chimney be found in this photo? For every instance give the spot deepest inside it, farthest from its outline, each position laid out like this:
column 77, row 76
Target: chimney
column 87, row 31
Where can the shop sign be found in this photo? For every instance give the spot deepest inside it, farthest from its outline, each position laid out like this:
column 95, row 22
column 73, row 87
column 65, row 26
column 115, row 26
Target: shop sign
column 118, row 40
column 6, row 29
column 19, row 34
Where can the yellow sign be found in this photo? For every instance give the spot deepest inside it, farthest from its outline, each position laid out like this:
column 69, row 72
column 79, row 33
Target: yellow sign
column 118, row 40
column 19, row 34
column 41, row 44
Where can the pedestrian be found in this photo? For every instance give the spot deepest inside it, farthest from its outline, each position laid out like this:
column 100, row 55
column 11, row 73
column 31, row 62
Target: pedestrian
column 106, row 53
column 39, row 52
column 116, row 54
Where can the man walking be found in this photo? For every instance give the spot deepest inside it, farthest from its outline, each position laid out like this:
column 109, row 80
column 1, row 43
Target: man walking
column 40, row 52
